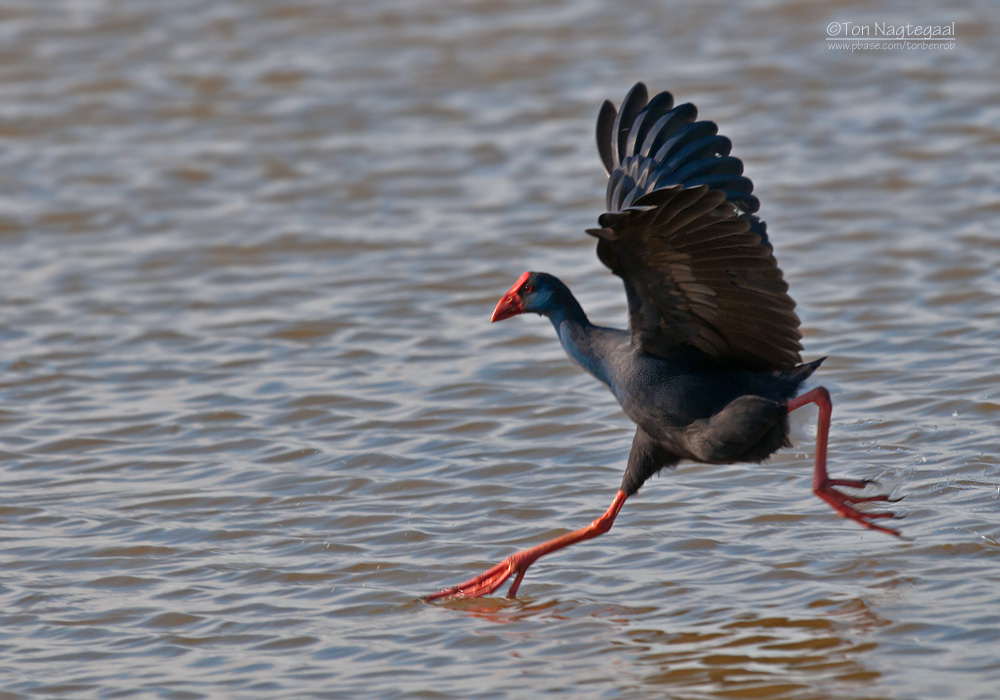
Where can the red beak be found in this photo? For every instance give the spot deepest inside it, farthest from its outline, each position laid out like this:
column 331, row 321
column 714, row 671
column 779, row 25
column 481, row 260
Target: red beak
column 510, row 303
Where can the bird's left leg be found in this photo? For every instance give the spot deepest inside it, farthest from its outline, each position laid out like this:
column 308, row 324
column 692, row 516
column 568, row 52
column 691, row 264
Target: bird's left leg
column 491, row 579
column 823, row 485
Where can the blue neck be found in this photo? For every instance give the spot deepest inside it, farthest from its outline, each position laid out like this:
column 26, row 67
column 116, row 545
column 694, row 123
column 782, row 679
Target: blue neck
column 579, row 340
column 584, row 342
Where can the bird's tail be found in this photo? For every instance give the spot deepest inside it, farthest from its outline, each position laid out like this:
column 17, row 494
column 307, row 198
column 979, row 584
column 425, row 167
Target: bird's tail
column 803, row 372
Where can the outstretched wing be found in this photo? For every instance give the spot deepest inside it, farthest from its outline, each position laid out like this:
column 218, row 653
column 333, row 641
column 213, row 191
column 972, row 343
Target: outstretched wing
column 680, row 231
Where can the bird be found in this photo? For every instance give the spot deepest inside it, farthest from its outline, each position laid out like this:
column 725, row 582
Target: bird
column 710, row 366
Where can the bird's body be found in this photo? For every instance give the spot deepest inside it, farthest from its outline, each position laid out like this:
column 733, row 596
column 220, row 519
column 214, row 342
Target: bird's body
column 709, row 367
column 692, row 407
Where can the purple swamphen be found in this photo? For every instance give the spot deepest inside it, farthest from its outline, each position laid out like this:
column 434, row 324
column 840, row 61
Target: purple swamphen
column 709, row 367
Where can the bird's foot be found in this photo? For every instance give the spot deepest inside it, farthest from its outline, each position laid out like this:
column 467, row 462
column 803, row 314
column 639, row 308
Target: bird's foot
column 843, row 503
column 490, row 580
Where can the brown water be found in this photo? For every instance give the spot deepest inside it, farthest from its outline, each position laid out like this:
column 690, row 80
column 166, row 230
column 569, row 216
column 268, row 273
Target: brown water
column 251, row 406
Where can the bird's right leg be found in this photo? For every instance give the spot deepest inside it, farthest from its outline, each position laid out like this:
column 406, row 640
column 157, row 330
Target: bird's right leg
column 491, row 579
column 646, row 458
column 823, row 485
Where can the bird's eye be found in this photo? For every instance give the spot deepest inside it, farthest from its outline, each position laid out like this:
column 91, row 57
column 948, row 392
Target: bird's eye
column 528, row 289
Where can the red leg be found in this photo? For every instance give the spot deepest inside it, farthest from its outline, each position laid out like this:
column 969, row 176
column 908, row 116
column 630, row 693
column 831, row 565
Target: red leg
column 823, row 485
column 491, row 579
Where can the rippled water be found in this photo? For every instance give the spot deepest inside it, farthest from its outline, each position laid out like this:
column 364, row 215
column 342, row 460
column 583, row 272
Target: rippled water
column 251, row 406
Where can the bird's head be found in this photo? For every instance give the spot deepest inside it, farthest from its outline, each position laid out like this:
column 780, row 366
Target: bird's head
column 536, row 292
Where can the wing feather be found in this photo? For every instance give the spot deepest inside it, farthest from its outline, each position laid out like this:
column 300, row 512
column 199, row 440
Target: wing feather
column 633, row 103
column 680, row 231
column 667, row 130
column 644, row 122
column 605, row 129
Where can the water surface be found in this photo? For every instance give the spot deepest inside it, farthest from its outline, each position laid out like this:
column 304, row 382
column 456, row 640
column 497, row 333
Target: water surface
column 252, row 408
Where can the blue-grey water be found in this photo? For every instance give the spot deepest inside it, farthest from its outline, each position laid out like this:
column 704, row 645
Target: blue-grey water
column 252, row 408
